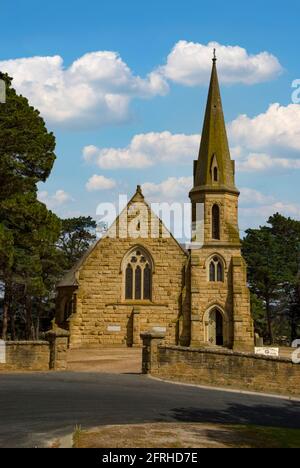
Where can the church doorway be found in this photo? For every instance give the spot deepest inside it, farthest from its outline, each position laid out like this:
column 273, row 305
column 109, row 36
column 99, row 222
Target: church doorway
column 216, row 328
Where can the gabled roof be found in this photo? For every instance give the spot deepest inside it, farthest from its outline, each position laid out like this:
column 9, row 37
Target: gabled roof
column 70, row 278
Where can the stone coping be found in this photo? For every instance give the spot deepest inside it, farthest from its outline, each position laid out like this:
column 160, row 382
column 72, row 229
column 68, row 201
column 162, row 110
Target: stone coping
column 22, row 343
column 225, row 352
column 57, row 332
column 150, row 334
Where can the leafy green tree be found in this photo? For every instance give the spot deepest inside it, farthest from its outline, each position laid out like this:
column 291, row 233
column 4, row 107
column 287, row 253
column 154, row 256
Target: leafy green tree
column 287, row 231
column 77, row 235
column 6, row 262
column 266, row 270
column 26, row 147
column 35, row 232
column 26, row 158
column 259, row 316
column 273, row 257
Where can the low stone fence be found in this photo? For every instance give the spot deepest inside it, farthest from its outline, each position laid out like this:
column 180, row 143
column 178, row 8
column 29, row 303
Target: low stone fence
column 220, row 368
column 37, row 355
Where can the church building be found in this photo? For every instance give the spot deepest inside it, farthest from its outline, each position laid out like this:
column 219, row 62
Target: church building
column 126, row 284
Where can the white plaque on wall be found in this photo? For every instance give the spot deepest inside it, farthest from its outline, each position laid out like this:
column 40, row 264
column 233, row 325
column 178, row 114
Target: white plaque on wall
column 267, row 351
column 114, row 328
column 159, row 329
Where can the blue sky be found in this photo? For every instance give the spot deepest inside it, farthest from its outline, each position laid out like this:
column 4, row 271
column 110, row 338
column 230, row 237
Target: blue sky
column 169, row 40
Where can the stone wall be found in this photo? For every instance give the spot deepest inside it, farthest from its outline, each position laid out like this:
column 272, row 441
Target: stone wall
column 221, row 368
column 27, row 356
column 37, row 355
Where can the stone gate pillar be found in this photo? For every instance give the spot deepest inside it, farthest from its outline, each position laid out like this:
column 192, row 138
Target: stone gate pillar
column 58, row 342
column 151, row 341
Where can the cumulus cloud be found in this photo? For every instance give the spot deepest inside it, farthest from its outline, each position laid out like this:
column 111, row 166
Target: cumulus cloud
column 171, row 189
column 189, row 63
column 259, row 162
column 145, row 150
column 277, row 128
column 256, row 208
column 259, row 214
column 99, row 182
column 96, row 89
column 59, row 198
column 251, row 196
column 268, row 141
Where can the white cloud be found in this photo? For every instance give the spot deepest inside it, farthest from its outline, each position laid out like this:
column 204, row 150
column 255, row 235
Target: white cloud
column 262, row 162
column 260, row 214
column 256, row 208
column 269, row 141
column 96, row 89
column 171, row 189
column 189, row 63
column 145, row 150
column 99, row 182
column 59, row 198
column 278, row 128
column 251, row 196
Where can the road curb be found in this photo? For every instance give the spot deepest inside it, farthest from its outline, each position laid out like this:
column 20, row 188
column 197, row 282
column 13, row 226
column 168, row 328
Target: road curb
column 227, row 390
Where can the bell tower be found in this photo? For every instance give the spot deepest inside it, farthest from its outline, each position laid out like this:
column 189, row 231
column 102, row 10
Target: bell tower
column 220, row 300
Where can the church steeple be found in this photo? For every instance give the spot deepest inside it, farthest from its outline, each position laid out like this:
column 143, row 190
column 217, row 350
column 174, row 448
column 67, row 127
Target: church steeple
column 214, row 169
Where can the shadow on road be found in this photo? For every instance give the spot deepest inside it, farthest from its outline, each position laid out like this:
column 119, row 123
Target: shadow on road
column 237, row 413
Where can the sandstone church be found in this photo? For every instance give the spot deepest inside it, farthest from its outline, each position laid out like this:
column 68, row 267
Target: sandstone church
column 125, row 286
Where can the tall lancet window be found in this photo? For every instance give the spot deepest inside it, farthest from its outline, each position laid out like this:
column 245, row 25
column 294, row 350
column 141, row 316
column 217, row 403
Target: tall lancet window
column 216, row 270
column 137, row 274
column 216, row 222
column 129, row 282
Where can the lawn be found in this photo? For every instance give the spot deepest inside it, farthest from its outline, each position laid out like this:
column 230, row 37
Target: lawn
column 174, row 435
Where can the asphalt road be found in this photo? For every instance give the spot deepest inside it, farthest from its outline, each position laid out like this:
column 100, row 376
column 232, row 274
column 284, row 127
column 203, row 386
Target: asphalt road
column 35, row 408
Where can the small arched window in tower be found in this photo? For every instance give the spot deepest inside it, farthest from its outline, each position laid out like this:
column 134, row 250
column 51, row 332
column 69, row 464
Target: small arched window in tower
column 216, row 222
column 138, row 275
column 214, row 169
column 216, row 270
column 216, row 175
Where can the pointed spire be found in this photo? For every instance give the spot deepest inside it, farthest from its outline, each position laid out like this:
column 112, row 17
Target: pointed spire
column 214, row 168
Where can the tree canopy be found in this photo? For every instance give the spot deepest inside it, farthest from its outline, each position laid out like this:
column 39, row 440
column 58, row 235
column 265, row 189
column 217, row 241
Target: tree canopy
column 273, row 256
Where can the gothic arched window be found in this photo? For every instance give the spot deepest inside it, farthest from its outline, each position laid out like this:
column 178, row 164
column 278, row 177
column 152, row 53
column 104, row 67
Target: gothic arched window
column 216, row 270
column 216, row 222
column 138, row 275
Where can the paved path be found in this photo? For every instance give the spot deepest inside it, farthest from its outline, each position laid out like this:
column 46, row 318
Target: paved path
column 37, row 407
column 108, row 360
